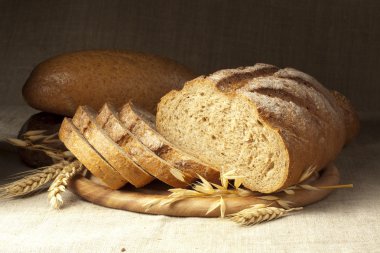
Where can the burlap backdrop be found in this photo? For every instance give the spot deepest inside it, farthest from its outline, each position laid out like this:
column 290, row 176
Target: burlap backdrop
column 338, row 42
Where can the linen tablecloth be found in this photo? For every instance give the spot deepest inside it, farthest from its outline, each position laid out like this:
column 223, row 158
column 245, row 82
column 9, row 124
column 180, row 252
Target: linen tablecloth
column 347, row 221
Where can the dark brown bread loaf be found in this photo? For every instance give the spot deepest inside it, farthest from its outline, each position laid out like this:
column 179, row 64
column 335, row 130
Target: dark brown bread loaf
column 61, row 84
column 40, row 121
column 266, row 124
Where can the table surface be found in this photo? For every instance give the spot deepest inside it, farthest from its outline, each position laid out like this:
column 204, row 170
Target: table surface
column 347, row 221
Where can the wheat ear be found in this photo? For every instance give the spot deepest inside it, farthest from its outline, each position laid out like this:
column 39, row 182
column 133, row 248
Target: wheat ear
column 31, row 181
column 259, row 213
column 60, row 183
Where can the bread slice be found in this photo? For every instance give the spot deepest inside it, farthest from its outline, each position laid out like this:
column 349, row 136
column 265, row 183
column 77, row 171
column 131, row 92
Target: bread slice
column 153, row 164
column 141, row 124
column 265, row 123
column 85, row 120
column 88, row 156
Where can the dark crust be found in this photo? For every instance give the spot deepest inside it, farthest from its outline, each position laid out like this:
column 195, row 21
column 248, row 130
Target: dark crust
column 162, row 150
column 351, row 118
column 235, row 81
column 40, row 121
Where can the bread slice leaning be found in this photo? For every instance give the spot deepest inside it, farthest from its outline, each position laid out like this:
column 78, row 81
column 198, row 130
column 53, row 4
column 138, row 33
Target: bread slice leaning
column 88, row 156
column 108, row 119
column 141, row 124
column 85, row 120
column 264, row 123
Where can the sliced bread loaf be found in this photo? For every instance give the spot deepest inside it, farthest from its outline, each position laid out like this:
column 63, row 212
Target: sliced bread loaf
column 88, row 156
column 141, row 124
column 85, row 120
column 267, row 124
column 153, row 164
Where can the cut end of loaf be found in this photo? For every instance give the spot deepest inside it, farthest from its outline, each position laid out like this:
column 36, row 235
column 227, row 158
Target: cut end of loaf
column 226, row 132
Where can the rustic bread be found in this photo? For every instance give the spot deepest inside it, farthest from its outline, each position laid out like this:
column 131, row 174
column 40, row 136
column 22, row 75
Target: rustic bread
column 84, row 120
column 61, row 84
column 141, row 124
column 88, row 156
column 149, row 161
column 267, row 124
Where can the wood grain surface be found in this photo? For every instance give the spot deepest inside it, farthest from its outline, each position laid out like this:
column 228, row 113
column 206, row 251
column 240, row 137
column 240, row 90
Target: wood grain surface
column 132, row 199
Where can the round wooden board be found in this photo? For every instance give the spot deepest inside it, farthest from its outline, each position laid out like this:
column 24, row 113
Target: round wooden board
column 132, row 199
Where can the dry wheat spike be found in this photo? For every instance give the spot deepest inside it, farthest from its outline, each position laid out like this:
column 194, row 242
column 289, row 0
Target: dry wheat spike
column 37, row 179
column 60, row 183
column 259, row 213
column 31, row 181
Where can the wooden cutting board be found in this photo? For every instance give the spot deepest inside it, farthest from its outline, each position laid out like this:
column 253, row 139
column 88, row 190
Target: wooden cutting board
column 134, row 200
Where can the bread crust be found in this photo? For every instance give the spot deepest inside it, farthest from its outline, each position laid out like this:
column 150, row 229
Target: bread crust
column 77, row 144
column 62, row 83
column 149, row 161
column 84, row 120
column 305, row 114
column 147, row 134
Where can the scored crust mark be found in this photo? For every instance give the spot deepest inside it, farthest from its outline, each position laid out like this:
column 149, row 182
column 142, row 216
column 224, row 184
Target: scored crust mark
column 284, row 74
column 298, row 80
column 288, row 97
column 236, row 80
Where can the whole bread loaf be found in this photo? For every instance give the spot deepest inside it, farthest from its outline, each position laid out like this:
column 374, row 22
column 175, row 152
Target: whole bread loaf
column 265, row 123
column 61, row 84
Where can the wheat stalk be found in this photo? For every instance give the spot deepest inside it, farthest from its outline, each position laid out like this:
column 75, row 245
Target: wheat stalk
column 31, row 181
column 259, row 213
column 303, row 186
column 61, row 172
column 291, row 190
column 203, row 188
column 60, row 183
column 308, row 173
column 249, row 216
column 286, row 204
column 37, row 179
column 36, row 140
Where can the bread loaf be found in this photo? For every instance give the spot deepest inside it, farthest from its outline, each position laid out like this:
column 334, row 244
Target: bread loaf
column 48, row 122
column 61, row 84
column 265, row 123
